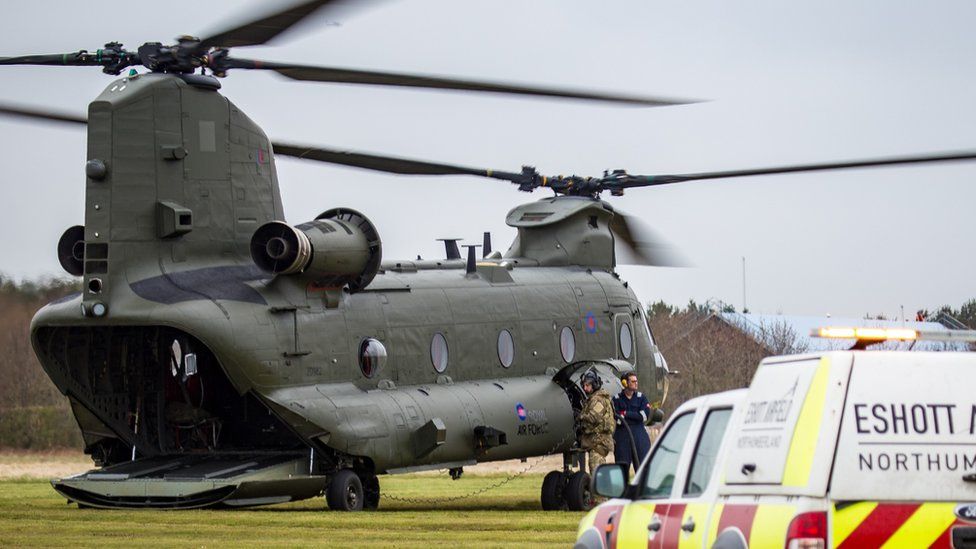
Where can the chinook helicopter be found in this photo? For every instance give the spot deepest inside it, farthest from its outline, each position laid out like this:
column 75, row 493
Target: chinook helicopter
column 219, row 356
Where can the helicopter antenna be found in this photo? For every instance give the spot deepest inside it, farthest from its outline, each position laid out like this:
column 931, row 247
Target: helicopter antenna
column 451, row 250
column 472, row 265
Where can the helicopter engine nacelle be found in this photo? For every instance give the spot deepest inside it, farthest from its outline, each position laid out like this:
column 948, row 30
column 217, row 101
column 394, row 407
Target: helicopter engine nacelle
column 341, row 246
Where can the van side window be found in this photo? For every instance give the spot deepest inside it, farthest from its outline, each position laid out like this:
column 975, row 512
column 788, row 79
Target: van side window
column 703, row 460
column 663, row 463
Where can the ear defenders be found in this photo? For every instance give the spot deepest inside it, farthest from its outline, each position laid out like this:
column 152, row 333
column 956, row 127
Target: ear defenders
column 592, row 378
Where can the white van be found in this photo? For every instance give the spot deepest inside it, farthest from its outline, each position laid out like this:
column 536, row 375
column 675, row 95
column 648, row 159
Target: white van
column 840, row 449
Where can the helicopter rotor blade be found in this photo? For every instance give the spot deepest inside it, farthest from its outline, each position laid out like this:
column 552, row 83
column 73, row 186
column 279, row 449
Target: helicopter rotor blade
column 388, row 164
column 630, row 181
column 38, row 114
column 380, row 163
column 211, row 52
column 310, row 73
column 528, row 179
column 77, row 58
column 261, row 30
column 641, row 245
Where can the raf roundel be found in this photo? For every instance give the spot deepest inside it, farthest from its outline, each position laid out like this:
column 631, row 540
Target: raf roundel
column 590, row 321
column 520, row 411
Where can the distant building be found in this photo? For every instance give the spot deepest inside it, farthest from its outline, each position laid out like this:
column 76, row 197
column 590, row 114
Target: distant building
column 714, row 351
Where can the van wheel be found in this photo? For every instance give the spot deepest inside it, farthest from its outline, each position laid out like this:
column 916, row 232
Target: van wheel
column 578, row 495
column 730, row 539
column 345, row 492
column 553, row 488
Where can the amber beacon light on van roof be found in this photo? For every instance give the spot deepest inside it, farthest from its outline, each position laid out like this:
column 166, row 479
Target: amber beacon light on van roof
column 877, row 335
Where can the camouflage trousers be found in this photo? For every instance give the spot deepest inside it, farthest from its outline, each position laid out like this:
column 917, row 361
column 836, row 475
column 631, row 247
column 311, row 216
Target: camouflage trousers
column 597, row 456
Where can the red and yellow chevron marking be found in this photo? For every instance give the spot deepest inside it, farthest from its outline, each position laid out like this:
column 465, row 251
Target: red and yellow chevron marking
column 697, row 513
column 737, row 516
column 672, row 516
column 859, row 525
column 892, row 525
column 633, row 524
column 770, row 525
column 760, row 525
column 606, row 519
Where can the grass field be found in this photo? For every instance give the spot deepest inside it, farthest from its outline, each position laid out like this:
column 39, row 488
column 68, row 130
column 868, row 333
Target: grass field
column 33, row 514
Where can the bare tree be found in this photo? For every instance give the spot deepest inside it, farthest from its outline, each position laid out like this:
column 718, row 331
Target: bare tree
column 777, row 335
column 708, row 354
column 33, row 413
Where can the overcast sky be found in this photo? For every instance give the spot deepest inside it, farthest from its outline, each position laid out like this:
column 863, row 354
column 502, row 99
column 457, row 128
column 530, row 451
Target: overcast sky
column 786, row 83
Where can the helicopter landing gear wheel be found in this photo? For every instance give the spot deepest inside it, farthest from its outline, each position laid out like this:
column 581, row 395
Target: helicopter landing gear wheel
column 345, row 492
column 578, row 495
column 371, row 492
column 553, row 490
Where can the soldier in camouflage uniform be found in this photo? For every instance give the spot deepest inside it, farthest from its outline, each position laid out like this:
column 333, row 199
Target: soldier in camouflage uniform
column 598, row 421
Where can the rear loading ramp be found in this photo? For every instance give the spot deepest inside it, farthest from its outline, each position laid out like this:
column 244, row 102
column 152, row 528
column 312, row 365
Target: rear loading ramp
column 194, row 481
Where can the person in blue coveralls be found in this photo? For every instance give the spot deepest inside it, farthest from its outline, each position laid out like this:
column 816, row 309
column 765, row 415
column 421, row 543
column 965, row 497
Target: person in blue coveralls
column 632, row 409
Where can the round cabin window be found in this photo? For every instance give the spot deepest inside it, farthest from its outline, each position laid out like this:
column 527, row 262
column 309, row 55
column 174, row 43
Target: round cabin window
column 626, row 340
column 506, row 348
column 438, row 352
column 372, row 356
column 567, row 344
